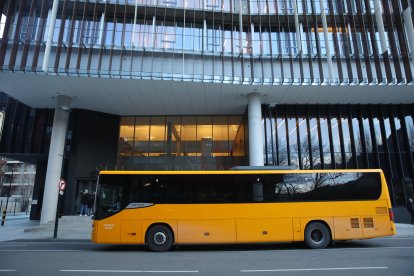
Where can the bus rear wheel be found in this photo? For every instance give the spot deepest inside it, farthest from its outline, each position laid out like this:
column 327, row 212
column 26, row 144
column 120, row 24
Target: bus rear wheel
column 317, row 235
column 159, row 238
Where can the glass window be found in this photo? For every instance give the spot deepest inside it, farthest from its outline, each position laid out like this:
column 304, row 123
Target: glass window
column 116, row 192
column 256, row 44
column 205, row 135
column 126, row 136
column 173, row 136
column 388, row 137
column 214, row 40
column 325, row 143
column 410, row 131
column 157, row 137
column 186, row 136
column 227, row 41
column 66, row 32
column 270, row 141
column 293, row 142
column 327, row 186
column 142, row 137
column 236, row 136
column 188, row 37
column 367, row 134
column 110, row 28
column 282, row 142
column 357, row 136
column 110, row 194
column 316, row 155
column 378, row 136
column 336, row 142
column 349, row 161
column 127, row 39
column 189, row 136
column 275, row 43
column 265, row 42
column 304, row 145
column 220, row 136
column 178, row 38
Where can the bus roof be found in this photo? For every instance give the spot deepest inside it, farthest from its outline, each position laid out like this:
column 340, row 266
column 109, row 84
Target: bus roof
column 263, row 171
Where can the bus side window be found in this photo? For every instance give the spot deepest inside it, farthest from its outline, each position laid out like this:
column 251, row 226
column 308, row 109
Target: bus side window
column 146, row 190
column 271, row 187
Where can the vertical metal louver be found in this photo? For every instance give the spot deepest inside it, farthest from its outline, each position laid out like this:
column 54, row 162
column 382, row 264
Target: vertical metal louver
column 354, row 223
column 368, row 223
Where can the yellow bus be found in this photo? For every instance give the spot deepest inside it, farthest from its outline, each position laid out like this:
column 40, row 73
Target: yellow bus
column 164, row 208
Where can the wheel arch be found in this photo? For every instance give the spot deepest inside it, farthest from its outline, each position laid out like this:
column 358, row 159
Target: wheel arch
column 159, row 223
column 321, row 221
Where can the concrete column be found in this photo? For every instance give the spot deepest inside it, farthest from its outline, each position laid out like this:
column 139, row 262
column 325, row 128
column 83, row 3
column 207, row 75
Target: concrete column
column 54, row 164
column 255, row 130
column 256, row 140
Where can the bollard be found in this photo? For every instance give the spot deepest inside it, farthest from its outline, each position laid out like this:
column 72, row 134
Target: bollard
column 3, row 217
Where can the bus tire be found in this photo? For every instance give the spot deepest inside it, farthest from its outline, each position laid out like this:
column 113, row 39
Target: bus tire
column 317, row 235
column 159, row 238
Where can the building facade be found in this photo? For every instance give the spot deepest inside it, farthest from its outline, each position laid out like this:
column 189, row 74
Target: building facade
column 206, row 84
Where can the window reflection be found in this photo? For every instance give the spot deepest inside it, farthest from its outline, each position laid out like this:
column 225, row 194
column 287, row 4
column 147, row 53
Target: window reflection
column 293, row 142
column 367, row 129
column 314, row 143
column 304, row 145
column 410, row 131
column 126, row 136
column 282, row 142
column 336, row 143
column 325, row 143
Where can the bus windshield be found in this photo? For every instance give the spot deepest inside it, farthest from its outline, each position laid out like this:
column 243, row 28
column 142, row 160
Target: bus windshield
column 109, row 198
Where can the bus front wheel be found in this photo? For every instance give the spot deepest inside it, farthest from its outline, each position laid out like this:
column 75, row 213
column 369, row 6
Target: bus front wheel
column 159, row 238
column 317, row 235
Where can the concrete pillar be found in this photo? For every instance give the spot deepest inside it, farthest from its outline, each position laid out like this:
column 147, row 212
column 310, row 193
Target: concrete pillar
column 256, row 140
column 255, row 130
column 54, row 164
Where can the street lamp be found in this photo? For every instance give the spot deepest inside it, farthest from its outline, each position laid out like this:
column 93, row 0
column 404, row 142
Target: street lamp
column 3, row 218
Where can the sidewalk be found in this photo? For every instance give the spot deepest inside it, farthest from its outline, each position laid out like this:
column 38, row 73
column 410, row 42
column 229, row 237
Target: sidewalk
column 79, row 228
column 20, row 227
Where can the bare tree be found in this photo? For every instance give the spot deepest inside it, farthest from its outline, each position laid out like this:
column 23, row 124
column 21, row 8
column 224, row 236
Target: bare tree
column 307, row 161
column 25, row 182
column 282, row 152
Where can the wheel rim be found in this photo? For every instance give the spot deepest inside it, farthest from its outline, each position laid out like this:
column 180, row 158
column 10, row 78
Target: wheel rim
column 316, row 235
column 160, row 238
